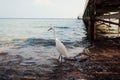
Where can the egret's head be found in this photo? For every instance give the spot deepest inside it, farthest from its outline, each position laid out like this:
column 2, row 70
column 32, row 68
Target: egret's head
column 50, row 29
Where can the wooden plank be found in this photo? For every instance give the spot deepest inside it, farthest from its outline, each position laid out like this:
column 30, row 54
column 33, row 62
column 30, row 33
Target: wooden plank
column 106, row 10
column 107, row 21
column 102, row 61
column 117, row 16
column 112, row 3
column 107, row 1
column 115, row 73
column 119, row 22
column 99, row 1
column 92, row 21
column 31, row 77
column 104, row 6
column 97, row 8
column 119, row 26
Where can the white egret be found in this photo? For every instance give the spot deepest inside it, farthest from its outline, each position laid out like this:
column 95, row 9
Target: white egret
column 60, row 46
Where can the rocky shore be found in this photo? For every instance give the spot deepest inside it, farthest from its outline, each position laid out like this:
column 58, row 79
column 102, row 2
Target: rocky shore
column 100, row 62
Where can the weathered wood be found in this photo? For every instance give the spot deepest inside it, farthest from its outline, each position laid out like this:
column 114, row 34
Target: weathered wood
column 113, row 73
column 117, row 16
column 95, row 10
column 119, row 21
column 107, row 21
column 106, row 10
column 25, row 77
column 119, row 25
column 92, row 21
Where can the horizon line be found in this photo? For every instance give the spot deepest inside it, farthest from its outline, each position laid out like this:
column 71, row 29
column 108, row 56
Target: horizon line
column 35, row 18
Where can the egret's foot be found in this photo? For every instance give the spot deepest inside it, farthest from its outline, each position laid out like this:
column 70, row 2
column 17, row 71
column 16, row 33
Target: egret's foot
column 81, row 58
column 60, row 58
column 70, row 59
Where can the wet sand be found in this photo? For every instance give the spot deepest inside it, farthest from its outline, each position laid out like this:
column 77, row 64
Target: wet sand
column 101, row 62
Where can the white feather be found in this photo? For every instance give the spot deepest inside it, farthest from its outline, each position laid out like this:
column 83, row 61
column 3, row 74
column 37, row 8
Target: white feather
column 61, row 48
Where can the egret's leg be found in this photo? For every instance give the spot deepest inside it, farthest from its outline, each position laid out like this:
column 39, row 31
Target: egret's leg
column 59, row 57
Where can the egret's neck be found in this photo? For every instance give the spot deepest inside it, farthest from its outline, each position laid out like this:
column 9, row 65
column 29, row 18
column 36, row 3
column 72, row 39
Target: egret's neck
column 54, row 33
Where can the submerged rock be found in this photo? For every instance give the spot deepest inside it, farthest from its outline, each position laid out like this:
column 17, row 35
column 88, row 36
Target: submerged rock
column 3, row 53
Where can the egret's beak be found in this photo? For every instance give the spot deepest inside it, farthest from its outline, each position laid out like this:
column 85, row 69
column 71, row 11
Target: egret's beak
column 50, row 29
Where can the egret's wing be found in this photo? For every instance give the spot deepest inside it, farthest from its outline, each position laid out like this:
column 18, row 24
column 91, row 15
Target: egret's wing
column 61, row 48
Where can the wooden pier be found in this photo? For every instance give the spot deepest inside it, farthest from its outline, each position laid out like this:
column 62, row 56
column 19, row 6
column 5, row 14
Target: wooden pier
column 99, row 13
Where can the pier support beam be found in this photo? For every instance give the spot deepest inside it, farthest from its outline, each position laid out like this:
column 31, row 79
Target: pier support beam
column 97, row 11
column 119, row 19
column 119, row 25
column 92, row 22
column 119, row 22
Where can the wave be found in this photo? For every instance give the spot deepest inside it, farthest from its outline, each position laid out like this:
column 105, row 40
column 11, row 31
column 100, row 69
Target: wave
column 51, row 42
column 20, row 43
column 59, row 27
column 40, row 42
column 62, row 27
column 43, row 42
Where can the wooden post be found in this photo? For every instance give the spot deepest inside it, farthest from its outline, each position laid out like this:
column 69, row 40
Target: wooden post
column 95, row 34
column 119, row 22
column 119, row 27
column 109, row 24
column 89, row 29
column 92, row 19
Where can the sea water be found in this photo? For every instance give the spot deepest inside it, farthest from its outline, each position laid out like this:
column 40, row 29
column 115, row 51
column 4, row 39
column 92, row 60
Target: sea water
column 30, row 38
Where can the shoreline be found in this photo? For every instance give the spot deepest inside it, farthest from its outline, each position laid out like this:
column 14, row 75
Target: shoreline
column 102, row 63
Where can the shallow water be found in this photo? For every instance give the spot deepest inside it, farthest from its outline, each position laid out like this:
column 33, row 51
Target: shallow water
column 30, row 38
column 33, row 56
